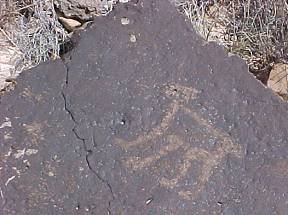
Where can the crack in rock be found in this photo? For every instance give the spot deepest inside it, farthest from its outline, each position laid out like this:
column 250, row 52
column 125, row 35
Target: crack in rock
column 89, row 152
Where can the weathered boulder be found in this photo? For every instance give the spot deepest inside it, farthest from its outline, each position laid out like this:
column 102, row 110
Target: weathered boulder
column 278, row 80
column 83, row 9
column 161, row 124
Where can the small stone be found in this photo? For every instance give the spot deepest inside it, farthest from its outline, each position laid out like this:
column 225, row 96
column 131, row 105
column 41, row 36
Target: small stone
column 220, row 203
column 77, row 207
column 133, row 38
column 278, row 81
column 54, row 158
column 51, row 174
column 125, row 21
column 148, row 201
column 7, row 123
column 19, row 153
column 87, row 208
column 31, row 152
column 69, row 24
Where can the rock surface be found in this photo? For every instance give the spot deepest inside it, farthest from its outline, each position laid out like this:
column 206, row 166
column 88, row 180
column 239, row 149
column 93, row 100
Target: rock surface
column 163, row 124
column 69, row 24
column 278, row 80
column 83, row 9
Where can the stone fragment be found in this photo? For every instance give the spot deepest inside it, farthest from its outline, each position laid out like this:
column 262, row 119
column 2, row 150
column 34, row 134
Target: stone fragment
column 69, row 24
column 125, row 21
column 278, row 79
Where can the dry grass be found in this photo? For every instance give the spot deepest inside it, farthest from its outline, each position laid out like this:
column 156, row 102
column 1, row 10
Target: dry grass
column 32, row 27
column 30, row 34
column 257, row 30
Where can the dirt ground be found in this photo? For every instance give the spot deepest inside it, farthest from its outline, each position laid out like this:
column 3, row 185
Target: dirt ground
column 143, row 117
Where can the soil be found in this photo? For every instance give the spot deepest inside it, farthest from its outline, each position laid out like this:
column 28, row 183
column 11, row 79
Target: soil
column 143, row 118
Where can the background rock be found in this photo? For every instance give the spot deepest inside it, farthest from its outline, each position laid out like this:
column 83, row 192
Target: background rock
column 278, row 80
column 69, row 24
column 83, row 9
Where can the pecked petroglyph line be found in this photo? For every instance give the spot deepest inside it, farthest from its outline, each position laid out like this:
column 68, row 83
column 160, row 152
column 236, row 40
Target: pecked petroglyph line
column 209, row 159
column 180, row 94
column 190, row 155
column 154, row 133
column 227, row 144
column 137, row 163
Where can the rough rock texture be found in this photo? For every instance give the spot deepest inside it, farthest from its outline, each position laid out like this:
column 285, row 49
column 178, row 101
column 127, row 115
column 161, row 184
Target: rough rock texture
column 278, row 80
column 143, row 118
column 83, row 9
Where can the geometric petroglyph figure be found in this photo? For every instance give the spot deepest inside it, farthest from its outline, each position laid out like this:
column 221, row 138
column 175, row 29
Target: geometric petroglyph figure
column 180, row 96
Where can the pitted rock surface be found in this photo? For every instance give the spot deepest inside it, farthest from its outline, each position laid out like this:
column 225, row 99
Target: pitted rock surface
column 143, row 118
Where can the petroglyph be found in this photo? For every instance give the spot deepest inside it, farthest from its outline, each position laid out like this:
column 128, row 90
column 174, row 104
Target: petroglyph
column 34, row 131
column 27, row 93
column 180, row 96
column 278, row 168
